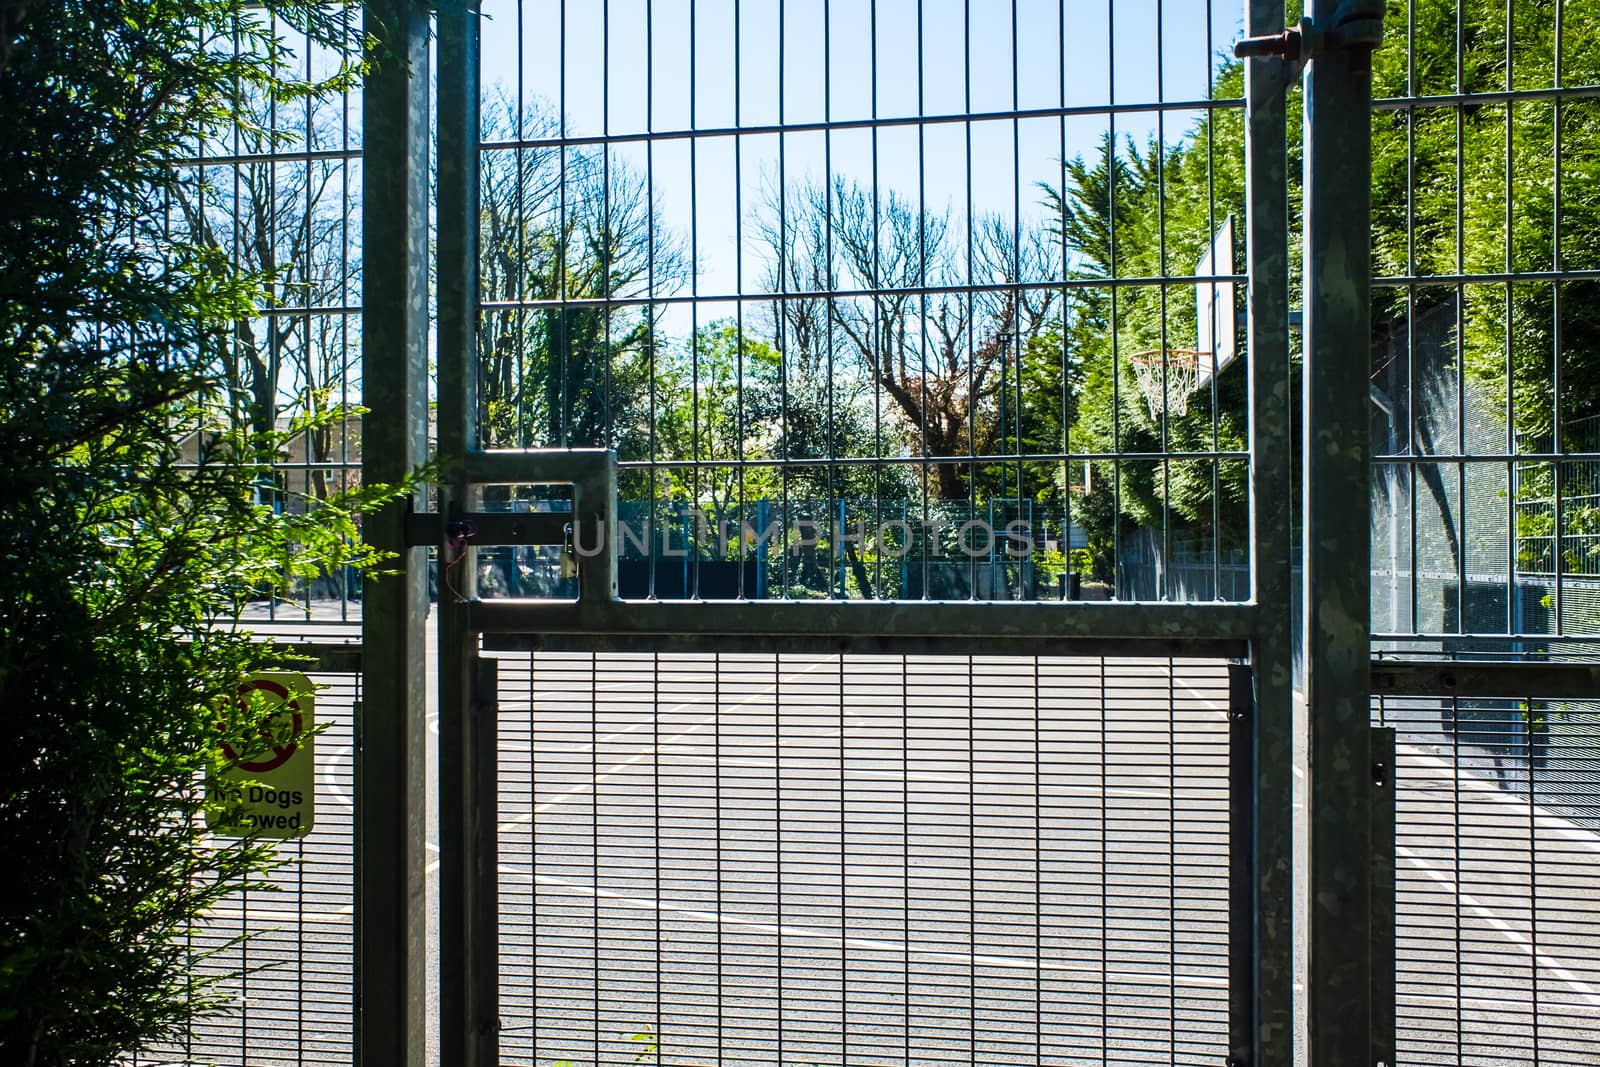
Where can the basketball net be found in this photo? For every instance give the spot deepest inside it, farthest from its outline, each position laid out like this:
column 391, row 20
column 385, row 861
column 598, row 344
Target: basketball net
column 1166, row 378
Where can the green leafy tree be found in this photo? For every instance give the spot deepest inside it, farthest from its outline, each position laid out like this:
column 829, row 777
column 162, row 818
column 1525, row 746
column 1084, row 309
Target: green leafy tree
column 1150, row 211
column 1486, row 192
column 122, row 549
column 738, row 424
column 706, row 414
column 1496, row 170
column 287, row 222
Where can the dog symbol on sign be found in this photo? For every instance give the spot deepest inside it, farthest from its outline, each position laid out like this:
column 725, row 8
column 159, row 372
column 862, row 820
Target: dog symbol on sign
column 280, row 753
column 270, row 791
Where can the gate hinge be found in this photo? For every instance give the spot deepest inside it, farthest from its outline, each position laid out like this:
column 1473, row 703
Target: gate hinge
column 1356, row 25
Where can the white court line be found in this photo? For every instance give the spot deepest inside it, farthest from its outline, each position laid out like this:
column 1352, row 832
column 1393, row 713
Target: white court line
column 1207, row 701
column 1511, row 934
column 870, row 944
column 926, row 776
column 332, row 783
column 1543, row 817
column 640, row 757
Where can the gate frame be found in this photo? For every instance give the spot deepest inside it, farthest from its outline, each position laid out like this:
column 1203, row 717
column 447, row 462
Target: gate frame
column 391, row 722
column 390, row 922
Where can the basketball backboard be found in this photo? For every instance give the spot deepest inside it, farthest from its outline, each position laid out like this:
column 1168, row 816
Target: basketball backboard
column 1216, row 332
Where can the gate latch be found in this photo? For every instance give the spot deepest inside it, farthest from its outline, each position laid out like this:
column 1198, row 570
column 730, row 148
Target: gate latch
column 1355, row 24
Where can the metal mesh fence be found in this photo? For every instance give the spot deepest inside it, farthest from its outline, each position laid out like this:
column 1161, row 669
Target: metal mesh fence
column 1483, row 436
column 896, row 258
column 839, row 859
column 293, row 975
column 1485, row 415
column 1496, row 846
column 279, row 193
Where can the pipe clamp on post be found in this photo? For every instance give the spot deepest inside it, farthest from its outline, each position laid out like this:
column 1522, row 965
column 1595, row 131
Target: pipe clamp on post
column 1356, row 25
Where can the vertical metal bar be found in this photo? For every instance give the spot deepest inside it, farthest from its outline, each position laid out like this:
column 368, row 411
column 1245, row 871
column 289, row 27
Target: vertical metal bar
column 1383, row 889
column 468, row 897
column 1243, row 934
column 1337, row 544
column 484, row 899
column 594, row 509
column 390, row 921
column 1270, row 729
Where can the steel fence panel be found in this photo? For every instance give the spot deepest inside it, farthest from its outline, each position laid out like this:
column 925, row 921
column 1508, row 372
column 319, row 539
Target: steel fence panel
column 902, row 859
column 1484, row 446
column 292, row 977
column 1495, row 850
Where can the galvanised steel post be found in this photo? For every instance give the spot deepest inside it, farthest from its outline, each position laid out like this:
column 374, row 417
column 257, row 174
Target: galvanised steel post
column 1265, row 1035
column 1337, row 534
column 1383, row 889
column 469, row 1023
column 390, row 816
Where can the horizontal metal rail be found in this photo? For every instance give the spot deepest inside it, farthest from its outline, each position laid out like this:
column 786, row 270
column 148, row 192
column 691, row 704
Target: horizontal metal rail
column 510, row 466
column 874, row 645
column 1228, row 624
column 832, row 126
column 930, row 460
column 1476, row 99
column 1444, row 281
column 491, row 527
column 1433, row 458
column 985, row 288
column 1499, row 639
column 278, row 154
column 1445, row 678
column 327, row 657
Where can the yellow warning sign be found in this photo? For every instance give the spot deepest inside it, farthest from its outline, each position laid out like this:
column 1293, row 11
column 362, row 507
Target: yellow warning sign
column 269, row 788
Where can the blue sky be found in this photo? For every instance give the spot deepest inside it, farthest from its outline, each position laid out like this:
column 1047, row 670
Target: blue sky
column 976, row 56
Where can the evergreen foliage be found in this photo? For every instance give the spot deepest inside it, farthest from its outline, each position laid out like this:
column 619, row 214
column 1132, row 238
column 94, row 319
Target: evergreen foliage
column 130, row 517
column 1457, row 190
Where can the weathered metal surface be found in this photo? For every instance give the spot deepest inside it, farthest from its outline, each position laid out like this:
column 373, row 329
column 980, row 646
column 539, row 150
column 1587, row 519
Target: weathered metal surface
column 490, row 527
column 468, row 890
column 1268, row 973
column 327, row 657
column 1382, row 783
column 874, row 618
column 594, row 525
column 390, row 724
column 1512, row 681
column 541, row 466
column 1244, row 936
column 1337, row 548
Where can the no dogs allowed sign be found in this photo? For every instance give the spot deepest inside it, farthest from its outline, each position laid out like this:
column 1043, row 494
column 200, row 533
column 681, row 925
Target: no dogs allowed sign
column 268, row 786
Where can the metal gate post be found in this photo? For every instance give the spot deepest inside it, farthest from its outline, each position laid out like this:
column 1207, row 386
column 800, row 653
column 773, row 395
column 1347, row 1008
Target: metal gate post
column 1383, row 889
column 1243, row 931
column 1337, row 534
column 391, row 727
column 469, row 1023
column 1267, row 971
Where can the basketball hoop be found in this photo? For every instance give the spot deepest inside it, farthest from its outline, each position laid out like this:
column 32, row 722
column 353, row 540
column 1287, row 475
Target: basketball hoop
column 1178, row 369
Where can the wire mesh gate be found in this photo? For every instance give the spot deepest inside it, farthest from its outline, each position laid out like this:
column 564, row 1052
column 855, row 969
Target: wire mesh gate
column 784, row 335
column 1481, row 384
column 736, row 858
column 1495, row 848
column 868, row 349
